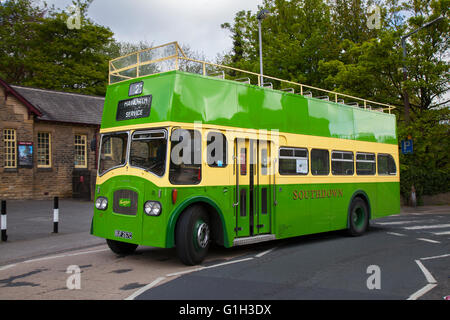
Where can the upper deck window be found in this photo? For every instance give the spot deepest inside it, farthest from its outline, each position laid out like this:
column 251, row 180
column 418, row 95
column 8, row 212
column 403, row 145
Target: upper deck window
column 148, row 151
column 185, row 157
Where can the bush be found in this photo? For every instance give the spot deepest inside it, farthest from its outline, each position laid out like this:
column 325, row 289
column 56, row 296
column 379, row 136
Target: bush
column 424, row 181
column 428, row 168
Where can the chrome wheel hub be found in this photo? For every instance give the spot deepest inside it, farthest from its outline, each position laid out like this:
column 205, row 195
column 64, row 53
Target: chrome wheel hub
column 203, row 235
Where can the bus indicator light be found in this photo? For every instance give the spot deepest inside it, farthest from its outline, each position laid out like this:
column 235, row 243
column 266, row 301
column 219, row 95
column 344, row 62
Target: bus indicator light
column 174, row 195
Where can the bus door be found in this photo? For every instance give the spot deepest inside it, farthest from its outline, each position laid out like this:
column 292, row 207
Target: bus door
column 264, row 188
column 252, row 194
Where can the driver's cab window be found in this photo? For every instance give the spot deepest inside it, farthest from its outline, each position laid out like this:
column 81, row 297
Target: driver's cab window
column 148, row 151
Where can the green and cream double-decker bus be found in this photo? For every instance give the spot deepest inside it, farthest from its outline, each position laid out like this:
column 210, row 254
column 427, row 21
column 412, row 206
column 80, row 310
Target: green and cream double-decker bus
column 193, row 153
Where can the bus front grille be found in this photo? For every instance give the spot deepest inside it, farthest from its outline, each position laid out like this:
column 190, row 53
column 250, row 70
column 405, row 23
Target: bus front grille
column 125, row 202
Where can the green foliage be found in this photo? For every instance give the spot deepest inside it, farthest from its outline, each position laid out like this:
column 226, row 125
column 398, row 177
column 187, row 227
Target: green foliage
column 428, row 168
column 39, row 50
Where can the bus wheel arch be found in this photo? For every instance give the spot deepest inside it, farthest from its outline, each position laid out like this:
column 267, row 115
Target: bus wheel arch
column 217, row 224
column 359, row 213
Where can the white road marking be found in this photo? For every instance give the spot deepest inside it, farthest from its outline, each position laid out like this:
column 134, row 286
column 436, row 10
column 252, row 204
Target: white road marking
column 9, row 266
column 427, row 273
column 416, row 295
column 51, row 257
column 430, row 279
column 396, row 234
column 158, row 280
column 184, row 272
column 229, row 262
column 147, row 287
column 259, row 255
column 441, row 233
column 64, row 255
column 428, row 240
column 435, row 226
column 436, row 257
column 207, row 267
column 395, row 222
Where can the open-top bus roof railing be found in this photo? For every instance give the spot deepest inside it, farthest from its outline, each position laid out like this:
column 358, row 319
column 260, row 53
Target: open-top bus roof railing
column 170, row 56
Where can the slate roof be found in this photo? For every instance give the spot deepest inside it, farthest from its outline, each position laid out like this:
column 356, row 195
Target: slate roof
column 63, row 106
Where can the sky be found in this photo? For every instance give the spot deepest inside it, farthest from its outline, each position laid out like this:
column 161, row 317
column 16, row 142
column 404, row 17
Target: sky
column 192, row 22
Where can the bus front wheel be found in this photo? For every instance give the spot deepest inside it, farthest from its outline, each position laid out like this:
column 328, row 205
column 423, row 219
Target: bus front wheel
column 358, row 217
column 193, row 236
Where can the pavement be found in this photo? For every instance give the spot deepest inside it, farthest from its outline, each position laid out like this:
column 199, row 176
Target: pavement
column 30, row 227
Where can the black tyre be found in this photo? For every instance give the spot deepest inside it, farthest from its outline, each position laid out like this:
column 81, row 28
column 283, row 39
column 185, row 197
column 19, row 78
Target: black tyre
column 358, row 219
column 192, row 235
column 121, row 247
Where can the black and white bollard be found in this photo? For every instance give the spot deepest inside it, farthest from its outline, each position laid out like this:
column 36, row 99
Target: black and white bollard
column 55, row 214
column 3, row 221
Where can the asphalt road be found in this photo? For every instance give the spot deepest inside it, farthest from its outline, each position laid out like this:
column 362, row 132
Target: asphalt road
column 409, row 253
column 401, row 257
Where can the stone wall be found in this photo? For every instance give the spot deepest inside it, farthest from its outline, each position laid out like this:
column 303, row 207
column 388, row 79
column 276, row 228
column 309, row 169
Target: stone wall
column 41, row 183
column 15, row 183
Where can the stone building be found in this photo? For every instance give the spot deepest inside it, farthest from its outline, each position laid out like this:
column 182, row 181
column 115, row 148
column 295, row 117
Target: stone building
column 48, row 143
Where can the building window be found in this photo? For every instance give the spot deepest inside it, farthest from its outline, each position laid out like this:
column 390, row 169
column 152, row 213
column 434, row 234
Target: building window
column 342, row 163
column 80, row 151
column 44, row 142
column 320, row 162
column 10, row 147
column 107, row 147
column 365, row 164
column 386, row 165
column 293, row 161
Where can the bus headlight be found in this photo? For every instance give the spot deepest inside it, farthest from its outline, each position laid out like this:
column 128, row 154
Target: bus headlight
column 101, row 203
column 152, row 208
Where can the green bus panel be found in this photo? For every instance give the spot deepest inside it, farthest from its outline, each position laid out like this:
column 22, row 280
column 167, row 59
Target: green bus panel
column 301, row 209
column 189, row 98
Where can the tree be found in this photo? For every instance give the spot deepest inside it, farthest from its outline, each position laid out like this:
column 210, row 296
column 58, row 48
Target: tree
column 18, row 20
column 47, row 54
column 296, row 37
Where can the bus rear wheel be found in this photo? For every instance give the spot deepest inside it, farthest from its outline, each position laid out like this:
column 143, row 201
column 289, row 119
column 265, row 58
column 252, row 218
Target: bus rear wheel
column 193, row 236
column 358, row 217
column 121, row 247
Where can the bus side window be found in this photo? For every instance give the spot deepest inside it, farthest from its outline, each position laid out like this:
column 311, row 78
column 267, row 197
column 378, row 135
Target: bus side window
column 386, row 165
column 320, row 162
column 293, row 161
column 342, row 163
column 216, row 150
column 185, row 157
column 365, row 164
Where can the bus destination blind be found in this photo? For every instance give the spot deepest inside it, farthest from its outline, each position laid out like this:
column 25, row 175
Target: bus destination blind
column 134, row 108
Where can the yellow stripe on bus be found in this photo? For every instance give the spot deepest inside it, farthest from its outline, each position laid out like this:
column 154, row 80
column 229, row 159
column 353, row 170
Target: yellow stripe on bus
column 224, row 176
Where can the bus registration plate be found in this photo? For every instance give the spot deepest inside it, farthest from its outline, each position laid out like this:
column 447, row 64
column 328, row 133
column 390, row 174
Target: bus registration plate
column 123, row 234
